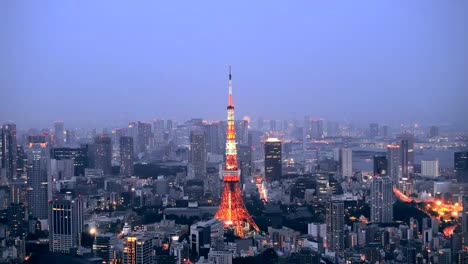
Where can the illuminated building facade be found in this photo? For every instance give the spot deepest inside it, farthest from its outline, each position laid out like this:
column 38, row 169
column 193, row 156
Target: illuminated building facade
column 232, row 210
column 65, row 224
column 137, row 250
column 37, row 176
column 381, row 200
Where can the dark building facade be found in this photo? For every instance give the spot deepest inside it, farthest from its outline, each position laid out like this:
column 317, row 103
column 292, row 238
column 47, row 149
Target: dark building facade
column 126, row 156
column 273, row 164
column 103, row 154
column 8, row 151
column 461, row 166
column 78, row 155
column 380, row 165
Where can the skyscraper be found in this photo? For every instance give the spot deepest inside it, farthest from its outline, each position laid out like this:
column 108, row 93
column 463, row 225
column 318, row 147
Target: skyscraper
column 394, row 165
column 373, row 130
column 103, row 154
column 126, row 156
column 346, row 162
column 38, row 170
column 78, row 155
column 104, row 247
column 65, row 224
column 381, row 200
column 141, row 133
column 433, row 131
column 59, row 133
column 380, row 165
column 273, row 160
column 198, row 153
column 213, row 137
column 242, row 132
column 137, row 250
column 335, row 226
column 8, row 151
column 461, row 166
column 465, row 214
column 158, row 131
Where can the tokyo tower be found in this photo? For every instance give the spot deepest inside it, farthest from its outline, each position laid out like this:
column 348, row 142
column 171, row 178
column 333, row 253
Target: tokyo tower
column 232, row 210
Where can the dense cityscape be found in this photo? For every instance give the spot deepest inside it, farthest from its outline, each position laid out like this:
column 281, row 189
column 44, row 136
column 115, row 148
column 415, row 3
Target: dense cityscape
column 234, row 191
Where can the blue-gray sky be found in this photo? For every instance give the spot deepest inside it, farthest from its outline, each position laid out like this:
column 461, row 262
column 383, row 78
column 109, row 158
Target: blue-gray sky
column 94, row 63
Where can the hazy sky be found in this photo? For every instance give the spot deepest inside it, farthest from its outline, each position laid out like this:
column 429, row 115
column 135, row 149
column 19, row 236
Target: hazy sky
column 96, row 63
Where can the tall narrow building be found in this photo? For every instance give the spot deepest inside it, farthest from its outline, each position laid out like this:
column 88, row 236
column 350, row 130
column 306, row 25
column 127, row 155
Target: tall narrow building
column 38, row 170
column 335, row 226
column 346, row 162
column 381, row 200
column 137, row 250
column 394, row 165
column 65, row 224
column 273, row 162
column 59, row 133
column 126, row 156
column 461, row 166
column 380, row 165
column 103, row 154
column 8, row 151
column 198, row 153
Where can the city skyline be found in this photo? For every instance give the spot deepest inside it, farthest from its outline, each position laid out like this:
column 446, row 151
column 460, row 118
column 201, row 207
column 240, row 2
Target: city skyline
column 318, row 60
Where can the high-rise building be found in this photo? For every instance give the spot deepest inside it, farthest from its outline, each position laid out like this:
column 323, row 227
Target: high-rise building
column 335, row 226
column 38, row 171
column 380, row 165
column 242, row 132
column 198, row 153
column 103, row 154
column 373, row 130
column 461, row 166
column 465, row 214
column 78, row 155
column 433, row 131
column 213, row 138
column 137, row 250
column 126, row 156
column 385, row 131
column 394, row 165
column 158, row 131
column 141, row 133
column 16, row 219
column 59, row 133
column 346, row 162
column 65, row 224
column 244, row 152
column 104, row 247
column 273, row 160
column 8, row 151
column 313, row 129
column 381, row 200
column 406, row 142
column 430, row 168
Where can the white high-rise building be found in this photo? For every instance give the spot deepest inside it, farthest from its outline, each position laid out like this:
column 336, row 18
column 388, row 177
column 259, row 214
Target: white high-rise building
column 346, row 162
column 382, row 200
column 430, row 168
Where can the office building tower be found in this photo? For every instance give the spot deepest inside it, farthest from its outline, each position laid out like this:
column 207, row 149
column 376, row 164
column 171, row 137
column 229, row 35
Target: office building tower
column 318, row 231
column 273, row 160
column 461, row 166
column 213, row 137
column 406, row 142
column 70, row 137
column 394, row 166
column 242, row 131
column 78, row 155
column 198, row 153
column 126, row 156
column 141, row 134
column 244, row 154
column 18, row 192
column 385, row 131
column 38, row 171
column 8, row 151
column 104, row 247
column 138, row 250
column 373, row 130
column 205, row 235
column 465, row 214
column 65, row 224
column 380, row 165
column 335, row 226
column 61, row 169
column 381, row 200
column 158, row 131
column 430, row 168
column 59, row 133
column 433, row 131
column 103, row 154
column 346, row 162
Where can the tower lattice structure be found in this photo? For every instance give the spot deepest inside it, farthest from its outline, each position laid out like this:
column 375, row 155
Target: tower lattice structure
column 232, row 210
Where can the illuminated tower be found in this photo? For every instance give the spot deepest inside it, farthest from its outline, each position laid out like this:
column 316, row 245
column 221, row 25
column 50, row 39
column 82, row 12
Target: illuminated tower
column 232, row 209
